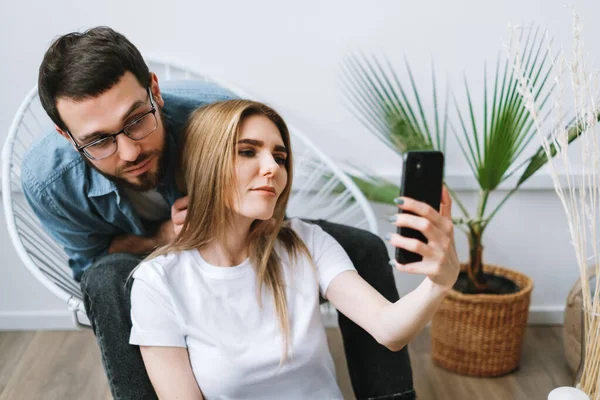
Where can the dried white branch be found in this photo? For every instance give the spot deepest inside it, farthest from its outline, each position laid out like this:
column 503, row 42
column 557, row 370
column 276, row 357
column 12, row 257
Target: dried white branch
column 580, row 194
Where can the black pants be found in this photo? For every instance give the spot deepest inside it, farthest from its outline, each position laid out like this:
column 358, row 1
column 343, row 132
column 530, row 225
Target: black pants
column 375, row 371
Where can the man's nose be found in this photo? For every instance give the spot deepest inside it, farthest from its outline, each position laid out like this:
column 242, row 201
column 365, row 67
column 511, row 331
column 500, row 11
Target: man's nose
column 128, row 149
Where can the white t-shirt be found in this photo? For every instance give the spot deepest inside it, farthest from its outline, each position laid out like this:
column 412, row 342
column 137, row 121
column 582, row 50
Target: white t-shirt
column 235, row 347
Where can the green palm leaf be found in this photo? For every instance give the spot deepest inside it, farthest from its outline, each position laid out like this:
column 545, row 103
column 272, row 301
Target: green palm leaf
column 539, row 158
column 378, row 99
column 376, row 189
column 507, row 125
column 381, row 103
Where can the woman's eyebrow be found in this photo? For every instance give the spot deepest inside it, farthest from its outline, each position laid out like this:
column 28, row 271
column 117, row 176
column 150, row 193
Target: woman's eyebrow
column 260, row 143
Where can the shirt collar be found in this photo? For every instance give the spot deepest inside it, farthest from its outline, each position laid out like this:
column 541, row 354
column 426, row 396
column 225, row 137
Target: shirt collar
column 99, row 184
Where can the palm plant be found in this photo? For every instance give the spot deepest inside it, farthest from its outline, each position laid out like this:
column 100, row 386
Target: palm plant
column 494, row 150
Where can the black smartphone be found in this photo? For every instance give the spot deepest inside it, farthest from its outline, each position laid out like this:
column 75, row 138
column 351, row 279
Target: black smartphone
column 422, row 180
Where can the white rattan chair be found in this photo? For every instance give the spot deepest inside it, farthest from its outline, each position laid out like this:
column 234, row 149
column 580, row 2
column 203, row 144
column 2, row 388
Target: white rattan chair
column 321, row 190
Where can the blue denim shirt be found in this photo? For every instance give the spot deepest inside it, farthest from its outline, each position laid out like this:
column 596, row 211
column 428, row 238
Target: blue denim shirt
column 82, row 209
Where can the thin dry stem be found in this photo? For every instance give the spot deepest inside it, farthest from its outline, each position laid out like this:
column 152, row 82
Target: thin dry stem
column 577, row 188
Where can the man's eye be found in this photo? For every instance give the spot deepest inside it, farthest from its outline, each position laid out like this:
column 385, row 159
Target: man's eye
column 135, row 122
column 102, row 143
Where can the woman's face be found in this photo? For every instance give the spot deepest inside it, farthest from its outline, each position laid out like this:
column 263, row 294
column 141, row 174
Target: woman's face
column 260, row 168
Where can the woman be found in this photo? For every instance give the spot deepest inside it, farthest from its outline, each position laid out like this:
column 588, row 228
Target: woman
column 231, row 308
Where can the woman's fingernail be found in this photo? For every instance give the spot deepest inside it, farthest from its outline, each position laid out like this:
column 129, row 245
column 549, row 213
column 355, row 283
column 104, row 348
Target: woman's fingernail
column 392, row 263
column 393, row 218
column 387, row 236
column 398, row 200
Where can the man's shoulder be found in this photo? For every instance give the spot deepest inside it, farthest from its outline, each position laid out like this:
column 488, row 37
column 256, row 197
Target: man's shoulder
column 196, row 90
column 183, row 97
column 189, row 95
column 50, row 159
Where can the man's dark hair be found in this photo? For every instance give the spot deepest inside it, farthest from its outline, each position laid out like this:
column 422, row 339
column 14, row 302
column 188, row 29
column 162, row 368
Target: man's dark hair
column 84, row 65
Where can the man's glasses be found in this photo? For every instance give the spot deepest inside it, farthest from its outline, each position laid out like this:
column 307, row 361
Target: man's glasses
column 137, row 129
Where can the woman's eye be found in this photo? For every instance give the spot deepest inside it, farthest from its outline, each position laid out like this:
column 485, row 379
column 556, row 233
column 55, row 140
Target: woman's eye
column 280, row 160
column 246, row 153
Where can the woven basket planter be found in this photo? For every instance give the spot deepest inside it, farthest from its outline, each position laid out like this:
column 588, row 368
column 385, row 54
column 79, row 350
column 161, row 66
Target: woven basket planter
column 573, row 329
column 482, row 335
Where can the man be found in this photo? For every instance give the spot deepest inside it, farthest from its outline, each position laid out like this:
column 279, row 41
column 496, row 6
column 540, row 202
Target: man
column 104, row 187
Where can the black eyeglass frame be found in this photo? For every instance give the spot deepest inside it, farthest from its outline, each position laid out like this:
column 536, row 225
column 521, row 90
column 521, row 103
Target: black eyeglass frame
column 82, row 149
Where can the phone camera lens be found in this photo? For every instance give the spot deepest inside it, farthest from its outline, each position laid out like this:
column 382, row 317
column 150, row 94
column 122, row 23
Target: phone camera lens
column 418, row 165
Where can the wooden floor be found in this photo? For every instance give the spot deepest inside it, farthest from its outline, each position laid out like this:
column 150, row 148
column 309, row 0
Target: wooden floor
column 66, row 365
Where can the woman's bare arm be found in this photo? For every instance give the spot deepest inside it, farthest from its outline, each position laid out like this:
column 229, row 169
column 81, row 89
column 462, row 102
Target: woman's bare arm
column 395, row 324
column 171, row 373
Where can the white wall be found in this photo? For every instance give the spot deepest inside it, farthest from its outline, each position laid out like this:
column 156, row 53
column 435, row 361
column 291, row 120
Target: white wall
column 288, row 54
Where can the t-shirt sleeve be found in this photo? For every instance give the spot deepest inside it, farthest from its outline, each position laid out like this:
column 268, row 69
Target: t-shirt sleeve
column 153, row 317
column 328, row 255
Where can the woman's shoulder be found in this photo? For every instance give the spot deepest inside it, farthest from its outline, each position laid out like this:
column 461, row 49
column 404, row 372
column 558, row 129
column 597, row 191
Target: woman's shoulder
column 161, row 266
column 306, row 231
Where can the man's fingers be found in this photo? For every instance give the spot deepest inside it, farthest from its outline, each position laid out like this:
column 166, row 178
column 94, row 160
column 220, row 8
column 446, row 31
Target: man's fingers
column 177, row 229
column 179, row 210
column 180, row 204
column 179, row 217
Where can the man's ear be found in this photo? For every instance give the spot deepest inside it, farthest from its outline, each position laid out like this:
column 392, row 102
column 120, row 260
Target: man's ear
column 65, row 135
column 156, row 90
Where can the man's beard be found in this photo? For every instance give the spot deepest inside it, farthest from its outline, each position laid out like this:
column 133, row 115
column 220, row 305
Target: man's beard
column 148, row 180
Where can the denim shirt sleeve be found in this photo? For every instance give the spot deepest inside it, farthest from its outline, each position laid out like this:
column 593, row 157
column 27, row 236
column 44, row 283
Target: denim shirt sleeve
column 83, row 244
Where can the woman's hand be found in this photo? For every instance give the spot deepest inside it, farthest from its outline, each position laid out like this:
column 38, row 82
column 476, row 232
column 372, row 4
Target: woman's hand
column 440, row 261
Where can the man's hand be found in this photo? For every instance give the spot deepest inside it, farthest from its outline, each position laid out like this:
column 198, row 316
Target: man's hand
column 178, row 213
column 165, row 234
column 168, row 230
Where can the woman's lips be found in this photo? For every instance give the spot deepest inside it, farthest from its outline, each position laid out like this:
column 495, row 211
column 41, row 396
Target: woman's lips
column 265, row 192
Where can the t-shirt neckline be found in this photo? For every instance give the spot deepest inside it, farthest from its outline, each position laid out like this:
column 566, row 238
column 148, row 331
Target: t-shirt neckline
column 218, row 271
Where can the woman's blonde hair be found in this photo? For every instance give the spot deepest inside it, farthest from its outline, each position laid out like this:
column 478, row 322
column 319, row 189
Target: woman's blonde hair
column 207, row 175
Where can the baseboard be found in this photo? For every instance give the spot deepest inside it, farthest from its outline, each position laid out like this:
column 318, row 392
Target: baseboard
column 36, row 320
column 546, row 315
column 63, row 320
